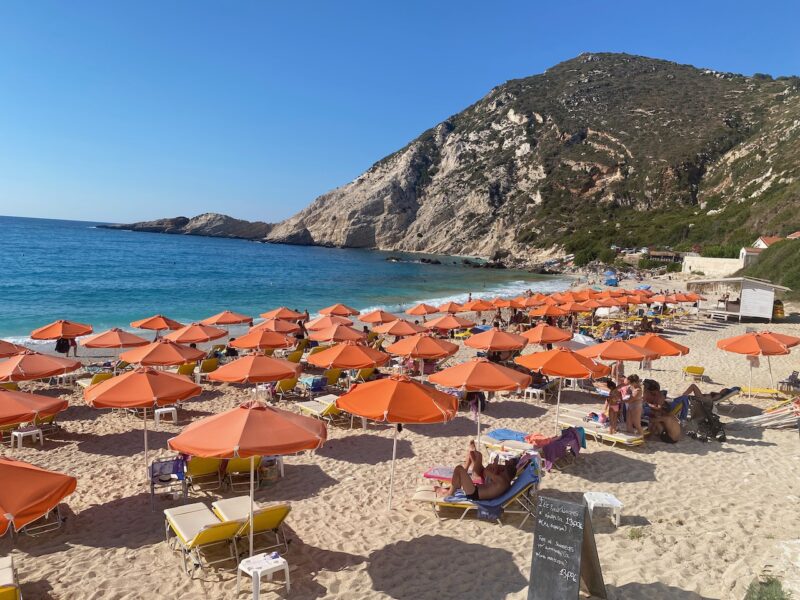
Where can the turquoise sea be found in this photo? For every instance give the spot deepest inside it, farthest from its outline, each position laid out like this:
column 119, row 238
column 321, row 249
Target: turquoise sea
column 74, row 270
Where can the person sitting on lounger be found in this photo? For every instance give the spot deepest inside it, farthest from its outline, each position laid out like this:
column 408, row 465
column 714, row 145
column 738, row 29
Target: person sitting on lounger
column 666, row 427
column 496, row 478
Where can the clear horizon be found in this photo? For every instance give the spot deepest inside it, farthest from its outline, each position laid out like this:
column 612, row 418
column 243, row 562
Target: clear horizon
column 131, row 113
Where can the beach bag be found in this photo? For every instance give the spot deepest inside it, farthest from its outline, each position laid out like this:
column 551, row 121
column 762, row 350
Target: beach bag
column 62, row 345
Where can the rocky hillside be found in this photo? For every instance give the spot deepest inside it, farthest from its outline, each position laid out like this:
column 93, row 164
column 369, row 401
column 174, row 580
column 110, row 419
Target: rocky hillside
column 601, row 149
column 207, row 224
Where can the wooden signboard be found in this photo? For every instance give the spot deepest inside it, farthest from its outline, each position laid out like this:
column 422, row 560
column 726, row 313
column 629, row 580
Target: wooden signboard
column 564, row 553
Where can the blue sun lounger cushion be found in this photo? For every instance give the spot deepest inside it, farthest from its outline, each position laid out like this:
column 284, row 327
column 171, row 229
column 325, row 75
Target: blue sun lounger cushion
column 493, row 509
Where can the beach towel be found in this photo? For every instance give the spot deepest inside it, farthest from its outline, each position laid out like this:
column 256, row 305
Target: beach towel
column 503, row 435
column 684, row 402
column 570, row 440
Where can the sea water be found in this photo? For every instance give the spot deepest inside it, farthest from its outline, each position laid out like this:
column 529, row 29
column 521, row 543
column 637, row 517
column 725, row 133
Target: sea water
column 54, row 269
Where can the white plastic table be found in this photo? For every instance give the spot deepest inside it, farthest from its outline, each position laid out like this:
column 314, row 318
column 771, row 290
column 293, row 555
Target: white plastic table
column 604, row 500
column 262, row 564
column 160, row 413
column 19, row 435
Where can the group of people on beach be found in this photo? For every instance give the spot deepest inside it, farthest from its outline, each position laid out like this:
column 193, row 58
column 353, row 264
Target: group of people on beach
column 636, row 399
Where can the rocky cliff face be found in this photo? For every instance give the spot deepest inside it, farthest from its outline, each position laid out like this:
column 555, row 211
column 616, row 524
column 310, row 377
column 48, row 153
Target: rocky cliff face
column 207, row 224
column 601, row 149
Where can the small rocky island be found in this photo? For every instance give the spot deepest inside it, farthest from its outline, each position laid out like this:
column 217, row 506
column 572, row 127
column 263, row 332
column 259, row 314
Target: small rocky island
column 207, row 224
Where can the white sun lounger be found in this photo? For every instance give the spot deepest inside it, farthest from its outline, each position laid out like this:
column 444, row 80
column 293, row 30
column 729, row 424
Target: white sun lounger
column 570, row 417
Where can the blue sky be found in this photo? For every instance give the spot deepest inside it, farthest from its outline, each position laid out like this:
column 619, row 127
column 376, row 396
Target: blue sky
column 126, row 111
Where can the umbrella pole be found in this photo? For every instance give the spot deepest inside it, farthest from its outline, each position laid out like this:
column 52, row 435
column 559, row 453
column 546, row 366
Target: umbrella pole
column 391, row 474
column 478, row 410
column 750, row 384
column 771, row 380
column 146, row 470
column 558, row 401
column 252, row 493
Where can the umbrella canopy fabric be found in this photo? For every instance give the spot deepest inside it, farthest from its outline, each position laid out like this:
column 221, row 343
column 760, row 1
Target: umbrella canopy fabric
column 497, row 341
column 399, row 399
column 251, row 429
column 574, row 307
column 157, row 323
column 424, row 347
column 377, row 316
column 260, row 339
column 8, row 349
column 227, row 317
column 561, row 362
column 61, row 329
column 753, row 344
column 337, row 333
column 29, row 365
column 144, row 387
column 449, row 322
column 422, row 309
column 22, row 407
column 450, row 307
column 660, row 345
column 325, row 322
column 349, row 355
column 501, row 303
column 548, row 310
column 256, row 368
column 277, row 325
column 478, row 305
column 29, row 493
column 162, row 353
column 546, row 334
column 618, row 350
column 114, row 338
column 196, row 334
column 481, row 375
column 789, row 341
column 340, row 310
column 399, row 328
column 284, row 313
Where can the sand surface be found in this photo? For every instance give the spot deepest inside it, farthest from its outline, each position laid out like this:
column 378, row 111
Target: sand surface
column 701, row 520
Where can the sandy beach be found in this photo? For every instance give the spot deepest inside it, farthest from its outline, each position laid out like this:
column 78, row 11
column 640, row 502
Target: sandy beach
column 701, row 520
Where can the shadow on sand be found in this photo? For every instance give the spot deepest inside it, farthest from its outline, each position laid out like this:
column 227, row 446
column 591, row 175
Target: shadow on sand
column 365, row 449
column 430, row 559
column 653, row 591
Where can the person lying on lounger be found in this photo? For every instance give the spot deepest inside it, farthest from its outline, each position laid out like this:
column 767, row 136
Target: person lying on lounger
column 496, row 478
column 695, row 391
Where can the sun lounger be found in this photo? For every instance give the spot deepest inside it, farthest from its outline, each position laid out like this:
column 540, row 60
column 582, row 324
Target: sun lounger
column 695, row 372
column 285, row 386
column 267, row 519
column 203, row 474
column 295, row 356
column 9, row 584
column 517, row 500
column 363, row 374
column 570, row 417
column 96, row 378
column 13, row 386
column 323, row 408
column 762, row 392
column 237, row 473
column 196, row 529
column 791, row 383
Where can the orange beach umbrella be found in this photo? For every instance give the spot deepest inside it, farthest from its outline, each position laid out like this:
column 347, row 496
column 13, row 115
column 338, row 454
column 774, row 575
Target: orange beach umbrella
column 227, row 317
column 255, row 368
column 22, row 407
column 196, row 334
column 450, row 307
column 496, row 340
column 162, row 353
column 422, row 309
column 481, row 375
column 546, row 334
column 423, row 347
column 763, row 343
column 28, row 365
column 660, row 345
column 349, row 355
column 337, row 333
column 618, row 350
column 561, row 363
column 250, row 430
column 284, row 313
column 29, row 492
column 145, row 388
column 548, row 310
column 277, row 325
column 325, row 322
column 399, row 328
column 478, row 305
column 398, row 399
column 448, row 322
column 114, row 338
column 61, row 329
column 157, row 323
column 340, row 310
column 8, row 349
column 501, row 303
column 377, row 316
column 261, row 339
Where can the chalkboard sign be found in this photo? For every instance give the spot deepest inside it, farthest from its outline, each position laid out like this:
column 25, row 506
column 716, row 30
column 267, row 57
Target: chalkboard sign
column 564, row 553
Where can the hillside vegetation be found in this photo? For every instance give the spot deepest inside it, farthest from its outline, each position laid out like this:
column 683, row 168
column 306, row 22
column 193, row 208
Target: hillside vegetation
column 780, row 263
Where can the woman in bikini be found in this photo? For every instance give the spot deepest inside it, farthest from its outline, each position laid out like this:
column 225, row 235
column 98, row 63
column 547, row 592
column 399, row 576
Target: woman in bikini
column 633, row 418
column 496, row 478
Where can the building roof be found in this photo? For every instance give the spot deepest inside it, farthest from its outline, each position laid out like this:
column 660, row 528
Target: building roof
column 752, row 250
column 769, row 239
column 740, row 281
column 793, row 236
